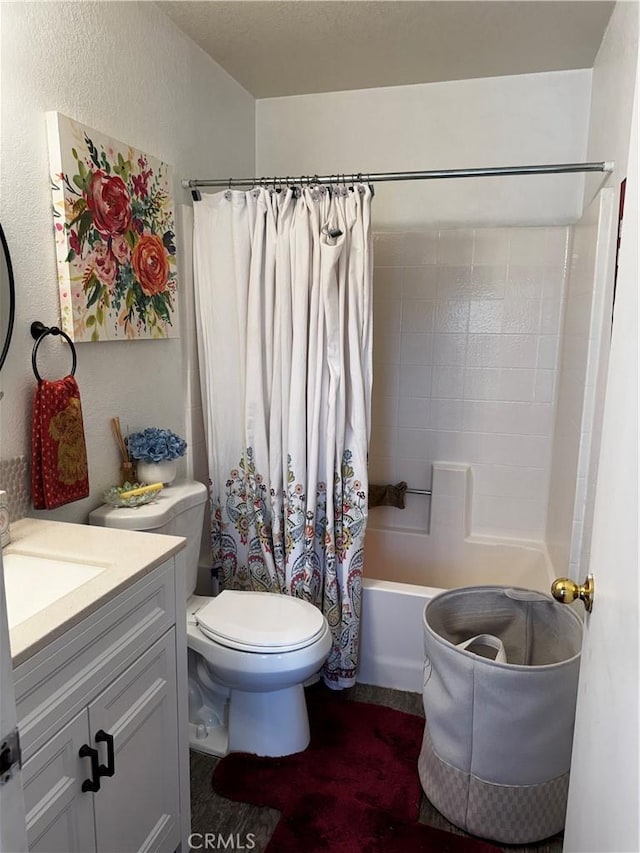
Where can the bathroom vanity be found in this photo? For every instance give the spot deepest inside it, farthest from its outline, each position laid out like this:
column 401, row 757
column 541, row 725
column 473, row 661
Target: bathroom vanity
column 101, row 688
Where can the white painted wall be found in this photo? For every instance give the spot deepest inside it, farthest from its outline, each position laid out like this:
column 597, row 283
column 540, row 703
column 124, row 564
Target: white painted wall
column 585, row 340
column 126, row 70
column 501, row 121
column 612, row 96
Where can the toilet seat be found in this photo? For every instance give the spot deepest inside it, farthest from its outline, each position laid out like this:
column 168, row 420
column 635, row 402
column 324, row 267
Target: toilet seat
column 260, row 622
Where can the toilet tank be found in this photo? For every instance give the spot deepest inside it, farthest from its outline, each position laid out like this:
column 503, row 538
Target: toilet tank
column 178, row 511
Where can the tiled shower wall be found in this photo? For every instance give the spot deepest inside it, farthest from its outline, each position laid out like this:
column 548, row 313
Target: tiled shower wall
column 466, row 327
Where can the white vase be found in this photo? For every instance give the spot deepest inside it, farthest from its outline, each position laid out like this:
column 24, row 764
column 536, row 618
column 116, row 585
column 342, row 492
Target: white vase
column 156, row 472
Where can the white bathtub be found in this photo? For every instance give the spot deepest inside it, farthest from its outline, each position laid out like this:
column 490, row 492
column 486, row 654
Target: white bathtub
column 403, row 570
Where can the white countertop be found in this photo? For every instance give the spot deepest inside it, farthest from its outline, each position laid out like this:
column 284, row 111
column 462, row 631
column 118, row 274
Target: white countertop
column 126, row 556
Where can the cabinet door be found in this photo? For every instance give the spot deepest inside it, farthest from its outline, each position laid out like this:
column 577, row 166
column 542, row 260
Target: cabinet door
column 59, row 813
column 138, row 808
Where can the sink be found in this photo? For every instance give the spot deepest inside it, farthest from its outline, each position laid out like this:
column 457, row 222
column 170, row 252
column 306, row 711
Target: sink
column 33, row 582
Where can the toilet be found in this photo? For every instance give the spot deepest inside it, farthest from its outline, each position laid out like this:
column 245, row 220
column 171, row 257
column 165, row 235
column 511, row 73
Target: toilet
column 249, row 652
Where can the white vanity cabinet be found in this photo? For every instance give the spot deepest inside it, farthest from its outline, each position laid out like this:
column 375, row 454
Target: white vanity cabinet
column 100, row 714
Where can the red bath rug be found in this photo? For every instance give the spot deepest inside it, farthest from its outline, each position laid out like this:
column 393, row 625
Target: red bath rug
column 354, row 790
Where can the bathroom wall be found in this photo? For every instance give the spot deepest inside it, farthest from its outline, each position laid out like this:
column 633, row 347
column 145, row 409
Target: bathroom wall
column 612, row 96
column 585, row 339
column 466, row 326
column 124, row 69
column 500, row 121
column 466, row 315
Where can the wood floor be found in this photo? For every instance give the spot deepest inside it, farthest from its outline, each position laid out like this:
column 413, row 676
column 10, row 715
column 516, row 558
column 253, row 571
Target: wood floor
column 211, row 813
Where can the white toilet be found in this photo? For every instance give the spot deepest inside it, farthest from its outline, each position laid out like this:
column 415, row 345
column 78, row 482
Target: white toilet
column 249, row 652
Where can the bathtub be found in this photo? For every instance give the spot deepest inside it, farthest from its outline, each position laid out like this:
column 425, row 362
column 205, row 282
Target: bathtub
column 404, row 570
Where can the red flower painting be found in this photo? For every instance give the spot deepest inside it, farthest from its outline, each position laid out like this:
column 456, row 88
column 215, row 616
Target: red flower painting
column 115, row 241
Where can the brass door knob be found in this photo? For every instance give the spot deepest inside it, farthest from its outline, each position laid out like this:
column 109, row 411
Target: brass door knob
column 565, row 591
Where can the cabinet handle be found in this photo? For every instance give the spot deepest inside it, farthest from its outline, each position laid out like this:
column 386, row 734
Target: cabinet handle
column 92, row 784
column 110, row 768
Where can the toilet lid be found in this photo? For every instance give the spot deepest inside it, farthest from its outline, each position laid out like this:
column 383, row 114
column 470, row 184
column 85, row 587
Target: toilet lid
column 260, row 621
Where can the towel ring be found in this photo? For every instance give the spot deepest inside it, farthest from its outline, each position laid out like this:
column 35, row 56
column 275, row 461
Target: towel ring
column 39, row 332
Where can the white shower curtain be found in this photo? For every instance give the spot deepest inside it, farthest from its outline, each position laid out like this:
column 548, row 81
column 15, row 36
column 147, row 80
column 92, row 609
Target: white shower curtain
column 284, row 326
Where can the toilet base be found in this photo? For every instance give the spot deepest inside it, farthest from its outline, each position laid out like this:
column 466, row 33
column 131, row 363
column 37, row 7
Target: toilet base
column 213, row 741
column 273, row 723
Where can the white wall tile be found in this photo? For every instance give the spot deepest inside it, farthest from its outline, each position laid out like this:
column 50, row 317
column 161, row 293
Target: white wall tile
column 453, row 282
column 518, row 350
column 550, row 317
column 517, row 384
column 419, row 283
column 485, row 316
column 522, row 451
column 520, row 517
column 416, row 349
column 384, row 441
column 413, row 412
column 557, row 244
column 449, row 350
column 384, row 411
column 417, row 473
column 448, row 382
column 554, row 281
column 547, row 351
column 416, row 443
column 386, row 349
column 420, row 248
column 484, row 350
column 544, row 386
column 527, row 245
column 382, row 469
column 388, row 249
column 521, row 316
column 387, row 317
column 526, row 282
column 473, row 318
column 490, row 246
column 509, row 481
column 487, row 282
column 387, row 282
column 482, row 383
column 415, row 515
column 452, row 315
column 386, row 379
column 455, row 247
column 415, row 380
column 418, row 315
column 449, row 512
column 446, row 414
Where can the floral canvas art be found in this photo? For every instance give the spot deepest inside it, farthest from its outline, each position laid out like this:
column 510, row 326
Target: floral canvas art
column 115, row 236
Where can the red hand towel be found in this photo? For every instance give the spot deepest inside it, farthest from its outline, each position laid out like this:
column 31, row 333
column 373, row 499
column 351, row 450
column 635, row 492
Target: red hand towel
column 59, row 455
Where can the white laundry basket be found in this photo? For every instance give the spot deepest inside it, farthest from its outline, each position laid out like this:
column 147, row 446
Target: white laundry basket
column 499, row 710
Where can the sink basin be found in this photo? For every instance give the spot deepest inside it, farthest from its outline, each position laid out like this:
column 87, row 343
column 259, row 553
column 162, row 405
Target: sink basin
column 34, row 582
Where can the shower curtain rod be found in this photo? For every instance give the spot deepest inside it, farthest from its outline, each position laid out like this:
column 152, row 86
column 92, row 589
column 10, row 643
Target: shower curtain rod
column 492, row 171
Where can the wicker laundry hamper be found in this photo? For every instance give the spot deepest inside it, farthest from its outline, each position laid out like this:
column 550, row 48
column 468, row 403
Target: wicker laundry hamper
column 500, row 685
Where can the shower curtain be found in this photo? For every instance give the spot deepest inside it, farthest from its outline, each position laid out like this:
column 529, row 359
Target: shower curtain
column 283, row 298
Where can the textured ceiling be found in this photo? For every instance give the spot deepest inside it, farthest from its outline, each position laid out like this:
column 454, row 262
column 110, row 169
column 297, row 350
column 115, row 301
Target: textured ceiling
column 276, row 48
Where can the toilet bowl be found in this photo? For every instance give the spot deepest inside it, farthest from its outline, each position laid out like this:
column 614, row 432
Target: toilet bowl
column 249, row 653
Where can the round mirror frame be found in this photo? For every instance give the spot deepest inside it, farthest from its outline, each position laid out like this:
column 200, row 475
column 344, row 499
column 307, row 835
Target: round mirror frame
column 12, row 298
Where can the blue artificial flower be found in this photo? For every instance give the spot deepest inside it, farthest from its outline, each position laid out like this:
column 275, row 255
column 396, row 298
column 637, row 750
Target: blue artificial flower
column 155, row 445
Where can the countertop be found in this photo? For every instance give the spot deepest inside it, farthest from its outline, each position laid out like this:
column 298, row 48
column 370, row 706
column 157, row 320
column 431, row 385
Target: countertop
column 126, row 555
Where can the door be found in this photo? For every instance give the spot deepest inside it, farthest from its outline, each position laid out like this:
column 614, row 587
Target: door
column 602, row 813
column 13, row 837
column 138, row 807
column 59, row 812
